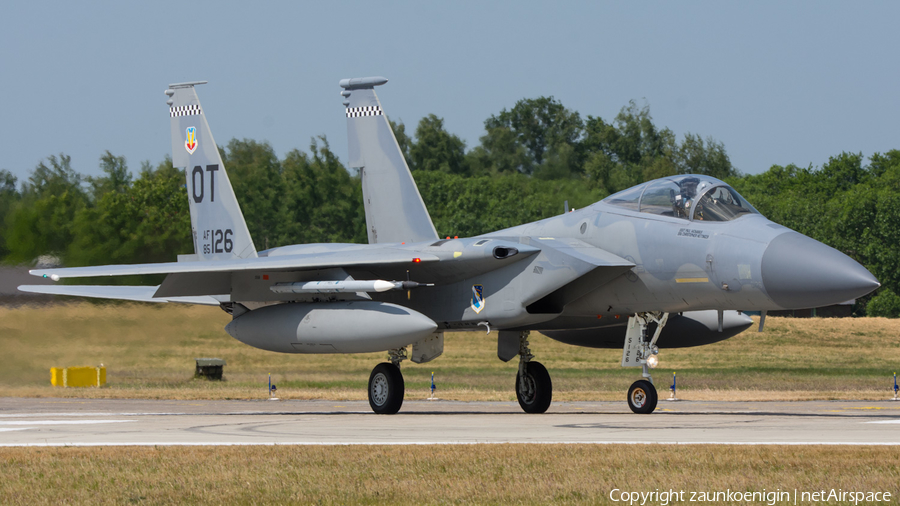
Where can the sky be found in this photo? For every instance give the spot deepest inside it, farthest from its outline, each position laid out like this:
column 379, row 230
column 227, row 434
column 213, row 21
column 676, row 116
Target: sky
column 776, row 82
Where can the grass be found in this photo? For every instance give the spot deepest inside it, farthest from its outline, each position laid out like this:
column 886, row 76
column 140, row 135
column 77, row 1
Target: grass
column 149, row 352
column 482, row 474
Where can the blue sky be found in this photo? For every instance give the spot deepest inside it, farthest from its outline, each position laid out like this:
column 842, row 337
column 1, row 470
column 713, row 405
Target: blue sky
column 776, row 82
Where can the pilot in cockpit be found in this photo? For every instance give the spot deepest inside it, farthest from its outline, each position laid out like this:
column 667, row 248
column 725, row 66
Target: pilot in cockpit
column 682, row 204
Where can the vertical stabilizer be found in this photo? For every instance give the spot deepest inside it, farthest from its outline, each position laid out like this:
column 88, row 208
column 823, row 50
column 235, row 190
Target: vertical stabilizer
column 394, row 208
column 218, row 227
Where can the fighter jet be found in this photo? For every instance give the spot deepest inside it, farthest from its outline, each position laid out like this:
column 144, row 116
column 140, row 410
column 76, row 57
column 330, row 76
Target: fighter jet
column 673, row 262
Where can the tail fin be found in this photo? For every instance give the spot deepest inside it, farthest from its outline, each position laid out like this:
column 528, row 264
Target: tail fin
column 394, row 208
column 218, row 226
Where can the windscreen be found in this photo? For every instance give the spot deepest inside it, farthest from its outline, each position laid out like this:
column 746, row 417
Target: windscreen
column 721, row 203
column 627, row 198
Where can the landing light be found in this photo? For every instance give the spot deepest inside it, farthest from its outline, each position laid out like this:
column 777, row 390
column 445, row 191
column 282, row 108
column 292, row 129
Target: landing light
column 652, row 361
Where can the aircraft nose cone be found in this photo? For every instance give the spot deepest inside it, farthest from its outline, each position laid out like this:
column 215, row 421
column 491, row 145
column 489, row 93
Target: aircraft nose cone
column 799, row 272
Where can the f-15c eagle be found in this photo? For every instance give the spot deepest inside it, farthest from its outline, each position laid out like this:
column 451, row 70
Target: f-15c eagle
column 680, row 257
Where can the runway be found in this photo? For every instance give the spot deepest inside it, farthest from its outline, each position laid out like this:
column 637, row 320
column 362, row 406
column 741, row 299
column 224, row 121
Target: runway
column 82, row 422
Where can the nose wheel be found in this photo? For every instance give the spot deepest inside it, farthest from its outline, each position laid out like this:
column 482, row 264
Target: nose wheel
column 641, row 352
column 386, row 389
column 642, row 397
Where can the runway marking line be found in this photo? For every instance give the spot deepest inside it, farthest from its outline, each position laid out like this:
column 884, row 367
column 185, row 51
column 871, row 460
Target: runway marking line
column 453, row 443
column 80, row 414
column 62, row 422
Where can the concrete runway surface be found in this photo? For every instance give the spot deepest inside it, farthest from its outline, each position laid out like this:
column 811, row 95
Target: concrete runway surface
column 101, row 422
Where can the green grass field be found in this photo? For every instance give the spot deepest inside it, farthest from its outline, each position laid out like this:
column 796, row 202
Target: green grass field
column 149, row 352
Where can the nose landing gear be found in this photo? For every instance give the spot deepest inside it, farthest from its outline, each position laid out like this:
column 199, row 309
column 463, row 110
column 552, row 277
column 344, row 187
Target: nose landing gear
column 638, row 352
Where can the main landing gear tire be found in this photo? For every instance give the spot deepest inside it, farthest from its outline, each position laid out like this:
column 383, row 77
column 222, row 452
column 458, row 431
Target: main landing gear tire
column 642, row 397
column 534, row 390
column 386, row 389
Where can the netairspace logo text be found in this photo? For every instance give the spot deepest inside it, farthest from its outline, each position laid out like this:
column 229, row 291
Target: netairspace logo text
column 771, row 498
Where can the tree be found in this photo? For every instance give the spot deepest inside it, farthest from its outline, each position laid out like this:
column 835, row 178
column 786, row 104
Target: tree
column 632, row 140
column 403, row 140
column 255, row 174
column 841, row 173
column 468, row 206
column 147, row 222
column 117, row 178
column 694, row 156
column 540, row 125
column 500, row 153
column 628, row 151
column 9, row 198
column 41, row 221
column 324, row 203
column 436, row 149
column 885, row 303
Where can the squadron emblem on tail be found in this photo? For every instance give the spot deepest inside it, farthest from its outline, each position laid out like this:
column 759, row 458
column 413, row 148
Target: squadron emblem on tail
column 190, row 139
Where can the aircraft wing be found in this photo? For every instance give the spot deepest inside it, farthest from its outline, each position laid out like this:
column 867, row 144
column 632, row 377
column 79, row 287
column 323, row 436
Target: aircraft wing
column 133, row 293
column 562, row 262
column 337, row 259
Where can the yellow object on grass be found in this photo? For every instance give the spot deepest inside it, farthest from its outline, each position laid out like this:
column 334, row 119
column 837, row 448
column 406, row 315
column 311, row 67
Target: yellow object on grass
column 77, row 376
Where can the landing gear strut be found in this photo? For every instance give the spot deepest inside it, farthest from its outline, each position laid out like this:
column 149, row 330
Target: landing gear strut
column 639, row 352
column 386, row 386
column 534, row 389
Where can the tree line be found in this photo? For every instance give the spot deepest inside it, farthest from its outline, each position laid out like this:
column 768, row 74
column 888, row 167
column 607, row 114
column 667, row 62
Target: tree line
column 531, row 159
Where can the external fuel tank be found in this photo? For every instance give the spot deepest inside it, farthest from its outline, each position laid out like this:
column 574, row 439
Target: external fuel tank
column 331, row 327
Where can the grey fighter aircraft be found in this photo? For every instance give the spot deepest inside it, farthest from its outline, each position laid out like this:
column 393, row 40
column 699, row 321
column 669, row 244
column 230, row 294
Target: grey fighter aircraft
column 668, row 263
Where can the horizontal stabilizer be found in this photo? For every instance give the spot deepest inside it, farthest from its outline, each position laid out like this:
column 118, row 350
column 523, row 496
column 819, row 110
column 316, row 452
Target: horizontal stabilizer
column 133, row 293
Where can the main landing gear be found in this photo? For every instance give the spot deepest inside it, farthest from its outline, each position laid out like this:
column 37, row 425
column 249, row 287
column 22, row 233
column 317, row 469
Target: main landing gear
column 386, row 386
column 534, row 389
column 639, row 352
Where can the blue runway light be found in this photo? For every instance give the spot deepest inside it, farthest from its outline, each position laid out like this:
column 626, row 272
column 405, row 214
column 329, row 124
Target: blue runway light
column 433, row 388
column 272, row 389
column 673, row 387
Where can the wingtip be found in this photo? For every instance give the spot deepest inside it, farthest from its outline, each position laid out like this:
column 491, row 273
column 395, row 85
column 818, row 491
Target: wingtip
column 43, row 274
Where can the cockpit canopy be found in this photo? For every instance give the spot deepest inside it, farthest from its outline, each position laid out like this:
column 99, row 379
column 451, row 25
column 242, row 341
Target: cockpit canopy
column 689, row 197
